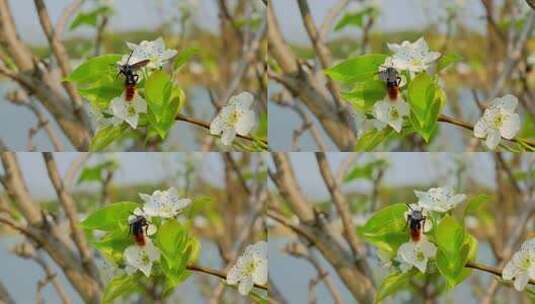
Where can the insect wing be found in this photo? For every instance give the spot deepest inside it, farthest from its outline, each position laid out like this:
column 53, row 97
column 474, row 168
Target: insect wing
column 140, row 64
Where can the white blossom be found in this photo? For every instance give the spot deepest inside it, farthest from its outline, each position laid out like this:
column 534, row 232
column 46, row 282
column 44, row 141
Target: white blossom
column 439, row 199
column 236, row 117
column 164, row 204
column 141, row 257
column 416, row 254
column 251, row 268
column 128, row 111
column 521, row 268
column 413, row 57
column 499, row 120
column 391, row 113
column 153, row 50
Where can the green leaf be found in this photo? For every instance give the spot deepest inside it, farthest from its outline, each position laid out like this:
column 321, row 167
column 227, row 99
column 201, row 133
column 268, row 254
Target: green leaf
column 365, row 171
column 386, row 229
column 111, row 217
column 452, row 252
column 393, row 282
column 426, row 99
column 164, row 100
column 475, row 203
column 107, row 135
column 113, row 244
column 95, row 70
column 355, row 19
column 175, row 244
column 94, row 173
column 371, row 139
column 364, row 94
column 90, row 18
column 120, row 286
column 101, row 94
column 447, row 60
column 357, row 69
column 184, row 56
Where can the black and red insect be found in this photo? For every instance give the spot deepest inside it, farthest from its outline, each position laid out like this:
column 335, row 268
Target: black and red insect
column 138, row 228
column 130, row 76
column 391, row 76
column 416, row 222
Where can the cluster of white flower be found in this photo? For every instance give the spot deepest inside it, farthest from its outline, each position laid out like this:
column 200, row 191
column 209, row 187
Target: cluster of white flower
column 499, row 120
column 251, row 268
column 164, row 204
column 412, row 57
column 155, row 52
column 236, row 117
column 521, row 268
column 418, row 253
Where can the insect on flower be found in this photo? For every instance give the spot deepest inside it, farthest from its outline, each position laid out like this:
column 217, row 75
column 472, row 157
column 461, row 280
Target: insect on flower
column 139, row 228
column 131, row 78
column 391, row 76
column 416, row 222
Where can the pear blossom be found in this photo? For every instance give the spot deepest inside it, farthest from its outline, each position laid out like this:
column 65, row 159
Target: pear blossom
column 439, row 199
column 236, row 117
column 251, row 268
column 141, row 258
column 391, row 113
column 415, row 254
column 499, row 120
column 521, row 268
column 128, row 111
column 151, row 229
column 164, row 204
column 413, row 57
column 154, row 51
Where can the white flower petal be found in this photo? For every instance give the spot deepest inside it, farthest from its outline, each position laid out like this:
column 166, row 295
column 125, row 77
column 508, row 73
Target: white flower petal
column 521, row 280
column 246, row 123
column 228, row 136
column 151, row 229
column 245, row 286
column 493, row 139
column 510, row 126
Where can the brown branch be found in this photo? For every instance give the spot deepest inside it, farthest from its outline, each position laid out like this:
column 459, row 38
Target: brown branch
column 329, row 19
column 467, row 126
column 206, row 125
column 216, row 273
column 67, row 202
column 5, row 297
column 490, row 269
column 62, row 58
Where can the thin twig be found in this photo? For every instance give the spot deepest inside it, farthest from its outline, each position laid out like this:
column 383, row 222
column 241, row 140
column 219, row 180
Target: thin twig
column 216, row 273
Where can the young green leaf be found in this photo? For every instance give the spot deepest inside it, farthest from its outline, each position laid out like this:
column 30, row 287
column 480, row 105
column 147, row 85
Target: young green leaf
column 452, row 252
column 95, row 70
column 356, row 69
column 90, row 18
column 393, row 282
column 364, row 171
column 94, row 173
column 120, row 286
column 107, row 135
column 371, row 139
column 386, row 229
column 184, row 56
column 448, row 59
column 426, row 99
column 355, row 19
column 164, row 100
column 475, row 203
column 109, row 218
column 364, row 94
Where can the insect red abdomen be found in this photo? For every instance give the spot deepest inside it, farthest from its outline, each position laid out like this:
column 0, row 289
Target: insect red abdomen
column 140, row 239
column 393, row 92
column 416, row 234
column 130, row 92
